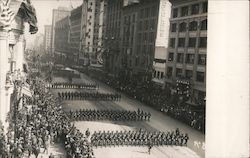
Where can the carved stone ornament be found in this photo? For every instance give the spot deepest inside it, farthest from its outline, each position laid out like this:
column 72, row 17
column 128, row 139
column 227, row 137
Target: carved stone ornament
column 9, row 9
column 6, row 14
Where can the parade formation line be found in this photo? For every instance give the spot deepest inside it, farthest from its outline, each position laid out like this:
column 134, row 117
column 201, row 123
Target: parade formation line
column 112, row 125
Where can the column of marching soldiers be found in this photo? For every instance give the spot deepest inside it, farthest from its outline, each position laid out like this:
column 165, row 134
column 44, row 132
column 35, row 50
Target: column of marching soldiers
column 139, row 137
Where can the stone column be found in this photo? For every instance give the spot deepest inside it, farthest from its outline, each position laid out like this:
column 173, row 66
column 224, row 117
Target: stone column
column 8, row 92
column 227, row 110
column 19, row 53
column 3, row 70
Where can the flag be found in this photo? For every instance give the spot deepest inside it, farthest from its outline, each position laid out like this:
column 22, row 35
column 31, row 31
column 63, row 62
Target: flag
column 30, row 15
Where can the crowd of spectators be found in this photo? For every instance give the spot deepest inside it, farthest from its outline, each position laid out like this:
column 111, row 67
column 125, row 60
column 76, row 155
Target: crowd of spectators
column 157, row 98
column 33, row 130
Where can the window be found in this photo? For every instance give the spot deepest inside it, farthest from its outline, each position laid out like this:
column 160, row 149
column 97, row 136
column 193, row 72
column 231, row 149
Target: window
column 170, row 56
column 204, row 25
column 150, row 49
column 175, row 13
column 173, row 27
column 203, row 42
column 189, row 74
column 193, row 26
column 180, row 57
column 190, row 59
column 153, row 11
column 138, row 49
column 169, row 72
column 204, row 7
column 183, row 27
column 141, row 13
column 192, row 42
column 158, row 74
column 140, row 26
column 178, row 73
column 152, row 24
column 184, row 11
column 151, row 39
column 202, row 59
column 136, row 61
column 147, row 12
column 181, row 42
column 200, row 76
column 195, row 9
column 162, row 74
column 172, row 42
column 145, row 37
column 146, row 24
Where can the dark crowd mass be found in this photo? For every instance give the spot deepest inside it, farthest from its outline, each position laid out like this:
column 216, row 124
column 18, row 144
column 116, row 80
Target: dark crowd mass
column 60, row 85
column 89, row 96
column 36, row 129
column 111, row 115
column 138, row 138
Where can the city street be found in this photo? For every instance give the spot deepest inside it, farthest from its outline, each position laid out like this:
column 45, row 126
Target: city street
column 158, row 121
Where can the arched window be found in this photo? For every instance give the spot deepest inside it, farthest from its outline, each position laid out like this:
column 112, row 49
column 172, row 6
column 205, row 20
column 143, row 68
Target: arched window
column 193, row 26
column 183, row 27
column 204, row 25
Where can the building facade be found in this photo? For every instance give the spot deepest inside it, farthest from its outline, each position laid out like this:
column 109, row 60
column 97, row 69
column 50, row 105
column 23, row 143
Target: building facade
column 112, row 38
column 57, row 15
column 62, row 38
column 13, row 85
column 92, row 31
column 139, row 35
column 75, row 32
column 161, row 43
column 187, row 51
column 47, row 38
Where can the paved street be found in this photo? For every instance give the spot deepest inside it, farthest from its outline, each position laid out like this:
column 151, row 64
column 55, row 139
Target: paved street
column 158, row 121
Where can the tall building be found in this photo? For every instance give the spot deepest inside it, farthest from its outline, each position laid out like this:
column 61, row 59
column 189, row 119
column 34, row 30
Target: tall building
column 92, row 31
column 139, row 29
column 57, row 15
column 187, row 51
column 47, row 38
column 161, row 43
column 62, row 40
column 112, row 38
column 75, row 32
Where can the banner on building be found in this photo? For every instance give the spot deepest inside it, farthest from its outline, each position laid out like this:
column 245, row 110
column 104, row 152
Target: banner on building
column 163, row 24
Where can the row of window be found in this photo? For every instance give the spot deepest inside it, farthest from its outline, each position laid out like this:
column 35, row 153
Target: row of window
column 190, row 10
column 128, row 19
column 113, row 17
column 146, row 25
column 113, row 24
column 158, row 74
column 148, row 12
column 192, row 26
column 190, row 58
column 114, row 5
column 145, row 49
column 146, row 37
column 202, row 42
column 200, row 76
